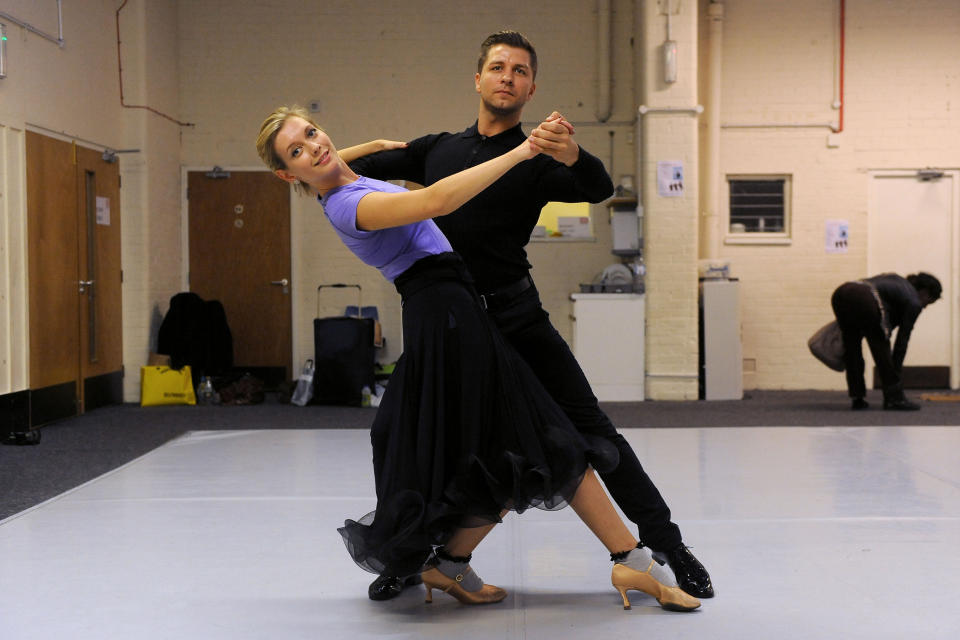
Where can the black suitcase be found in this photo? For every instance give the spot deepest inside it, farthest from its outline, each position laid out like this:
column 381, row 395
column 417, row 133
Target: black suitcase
column 344, row 355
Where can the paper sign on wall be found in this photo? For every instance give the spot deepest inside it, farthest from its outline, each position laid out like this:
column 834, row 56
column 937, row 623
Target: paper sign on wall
column 670, row 178
column 103, row 210
column 837, row 236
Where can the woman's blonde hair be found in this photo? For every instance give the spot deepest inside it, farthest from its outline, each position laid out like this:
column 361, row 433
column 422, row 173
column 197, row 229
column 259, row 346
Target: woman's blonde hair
column 266, row 141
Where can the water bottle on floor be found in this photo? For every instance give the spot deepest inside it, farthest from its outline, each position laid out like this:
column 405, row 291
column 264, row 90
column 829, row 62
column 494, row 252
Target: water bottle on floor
column 365, row 396
column 304, row 391
column 205, row 392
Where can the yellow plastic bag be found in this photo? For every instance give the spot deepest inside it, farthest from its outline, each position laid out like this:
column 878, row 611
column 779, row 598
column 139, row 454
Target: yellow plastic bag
column 162, row 385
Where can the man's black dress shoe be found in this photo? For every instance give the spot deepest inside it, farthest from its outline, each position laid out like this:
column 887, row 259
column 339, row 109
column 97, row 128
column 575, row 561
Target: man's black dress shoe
column 388, row 587
column 859, row 404
column 691, row 576
column 901, row 404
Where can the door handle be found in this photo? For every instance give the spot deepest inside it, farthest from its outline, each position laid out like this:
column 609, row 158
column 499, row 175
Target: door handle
column 84, row 285
column 283, row 282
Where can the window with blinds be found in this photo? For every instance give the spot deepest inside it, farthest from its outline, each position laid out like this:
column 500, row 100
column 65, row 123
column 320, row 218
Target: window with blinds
column 759, row 205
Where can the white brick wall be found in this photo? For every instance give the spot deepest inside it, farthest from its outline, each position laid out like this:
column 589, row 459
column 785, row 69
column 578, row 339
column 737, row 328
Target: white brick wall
column 390, row 69
column 73, row 93
column 224, row 64
column 153, row 251
column 671, row 223
column 901, row 93
column 14, row 337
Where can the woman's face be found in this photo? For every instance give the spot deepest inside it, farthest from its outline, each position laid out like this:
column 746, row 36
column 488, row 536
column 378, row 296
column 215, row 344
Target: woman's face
column 306, row 150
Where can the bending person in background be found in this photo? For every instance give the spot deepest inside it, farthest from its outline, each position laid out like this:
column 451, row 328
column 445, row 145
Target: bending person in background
column 464, row 431
column 871, row 309
column 490, row 233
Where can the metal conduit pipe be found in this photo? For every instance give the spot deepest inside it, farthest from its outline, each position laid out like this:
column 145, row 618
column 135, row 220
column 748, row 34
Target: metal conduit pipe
column 833, row 126
column 638, row 97
column 838, row 102
column 58, row 40
column 710, row 221
column 644, row 109
column 604, row 61
column 123, row 102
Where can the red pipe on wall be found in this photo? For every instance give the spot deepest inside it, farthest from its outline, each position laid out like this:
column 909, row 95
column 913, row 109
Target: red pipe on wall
column 843, row 7
column 120, row 71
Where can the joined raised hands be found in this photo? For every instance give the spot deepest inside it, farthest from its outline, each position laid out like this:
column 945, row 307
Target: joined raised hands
column 554, row 137
column 527, row 149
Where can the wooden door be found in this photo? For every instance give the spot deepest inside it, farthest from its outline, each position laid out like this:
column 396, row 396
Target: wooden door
column 53, row 278
column 76, row 359
column 240, row 255
column 101, row 314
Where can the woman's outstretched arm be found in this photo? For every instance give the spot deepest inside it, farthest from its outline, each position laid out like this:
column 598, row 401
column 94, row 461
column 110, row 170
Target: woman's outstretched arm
column 378, row 210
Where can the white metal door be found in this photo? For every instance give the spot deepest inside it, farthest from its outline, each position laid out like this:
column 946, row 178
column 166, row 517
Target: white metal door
column 913, row 227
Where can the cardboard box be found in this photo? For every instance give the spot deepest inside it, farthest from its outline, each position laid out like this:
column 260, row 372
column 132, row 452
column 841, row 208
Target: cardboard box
column 574, row 226
column 158, row 360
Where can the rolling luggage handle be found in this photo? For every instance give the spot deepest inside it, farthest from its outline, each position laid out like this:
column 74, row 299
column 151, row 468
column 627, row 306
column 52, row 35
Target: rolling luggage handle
column 340, row 285
column 344, row 354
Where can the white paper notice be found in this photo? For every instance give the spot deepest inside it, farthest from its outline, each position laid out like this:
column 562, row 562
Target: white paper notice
column 837, row 236
column 670, row 179
column 103, row 210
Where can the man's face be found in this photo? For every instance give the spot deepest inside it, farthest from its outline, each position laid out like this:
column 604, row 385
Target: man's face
column 505, row 82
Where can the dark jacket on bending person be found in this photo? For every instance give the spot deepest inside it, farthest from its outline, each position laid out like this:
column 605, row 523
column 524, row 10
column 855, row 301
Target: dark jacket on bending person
column 902, row 306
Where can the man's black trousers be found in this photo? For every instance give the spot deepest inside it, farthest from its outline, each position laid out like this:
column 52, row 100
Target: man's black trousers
column 526, row 326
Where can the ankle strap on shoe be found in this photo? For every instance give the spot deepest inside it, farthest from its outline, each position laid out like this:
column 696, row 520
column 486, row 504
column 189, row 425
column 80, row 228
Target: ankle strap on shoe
column 443, row 555
column 619, row 556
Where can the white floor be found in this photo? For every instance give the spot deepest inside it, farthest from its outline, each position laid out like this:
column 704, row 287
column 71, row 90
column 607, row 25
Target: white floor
column 807, row 532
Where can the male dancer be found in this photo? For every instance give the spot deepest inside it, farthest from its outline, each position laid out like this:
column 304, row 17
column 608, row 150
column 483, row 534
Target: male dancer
column 490, row 233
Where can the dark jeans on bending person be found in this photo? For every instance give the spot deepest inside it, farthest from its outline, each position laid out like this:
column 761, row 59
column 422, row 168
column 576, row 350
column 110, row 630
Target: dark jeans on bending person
column 858, row 315
column 526, row 326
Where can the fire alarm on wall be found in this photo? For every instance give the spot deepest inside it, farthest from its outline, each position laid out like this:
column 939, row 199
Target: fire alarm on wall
column 670, row 61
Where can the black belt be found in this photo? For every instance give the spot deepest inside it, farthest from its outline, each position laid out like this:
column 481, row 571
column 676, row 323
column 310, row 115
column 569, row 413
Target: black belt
column 503, row 295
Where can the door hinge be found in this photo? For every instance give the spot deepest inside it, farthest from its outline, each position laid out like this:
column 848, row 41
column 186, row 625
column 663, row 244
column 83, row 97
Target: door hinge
column 119, row 182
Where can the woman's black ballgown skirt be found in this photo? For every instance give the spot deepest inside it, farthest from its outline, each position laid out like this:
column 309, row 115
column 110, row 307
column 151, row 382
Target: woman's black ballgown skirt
column 464, row 431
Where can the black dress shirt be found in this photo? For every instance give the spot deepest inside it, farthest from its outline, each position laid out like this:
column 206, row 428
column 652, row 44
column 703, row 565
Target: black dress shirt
column 491, row 230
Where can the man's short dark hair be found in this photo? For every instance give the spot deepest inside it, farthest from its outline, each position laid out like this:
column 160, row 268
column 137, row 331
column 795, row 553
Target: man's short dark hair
column 925, row 282
column 511, row 39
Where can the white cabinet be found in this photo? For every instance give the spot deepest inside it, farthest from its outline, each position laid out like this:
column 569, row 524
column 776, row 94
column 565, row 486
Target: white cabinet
column 722, row 358
column 608, row 335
